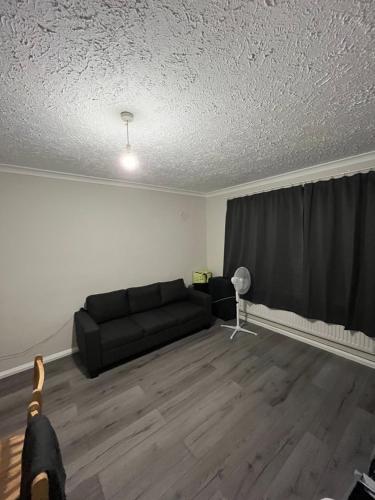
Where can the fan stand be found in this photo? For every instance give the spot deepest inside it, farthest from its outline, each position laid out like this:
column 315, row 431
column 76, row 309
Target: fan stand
column 238, row 327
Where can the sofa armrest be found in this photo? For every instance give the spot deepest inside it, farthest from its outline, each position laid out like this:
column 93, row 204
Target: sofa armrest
column 88, row 340
column 200, row 299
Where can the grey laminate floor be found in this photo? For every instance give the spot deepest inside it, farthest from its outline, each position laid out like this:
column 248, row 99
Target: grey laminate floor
column 259, row 418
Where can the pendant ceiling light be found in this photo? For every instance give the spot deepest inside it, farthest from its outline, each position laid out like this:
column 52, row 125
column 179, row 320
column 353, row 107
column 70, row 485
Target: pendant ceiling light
column 129, row 159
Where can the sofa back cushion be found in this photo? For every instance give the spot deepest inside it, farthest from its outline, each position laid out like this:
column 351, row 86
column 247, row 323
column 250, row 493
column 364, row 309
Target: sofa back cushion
column 173, row 291
column 107, row 306
column 144, row 298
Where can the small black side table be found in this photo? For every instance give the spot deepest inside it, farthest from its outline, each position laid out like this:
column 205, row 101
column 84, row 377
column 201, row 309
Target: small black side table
column 201, row 287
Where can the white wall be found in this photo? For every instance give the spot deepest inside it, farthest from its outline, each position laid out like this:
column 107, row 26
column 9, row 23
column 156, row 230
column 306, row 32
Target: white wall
column 62, row 240
column 216, row 211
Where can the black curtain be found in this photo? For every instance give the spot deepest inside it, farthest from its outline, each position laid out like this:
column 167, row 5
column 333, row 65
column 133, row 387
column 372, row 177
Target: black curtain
column 262, row 237
column 310, row 249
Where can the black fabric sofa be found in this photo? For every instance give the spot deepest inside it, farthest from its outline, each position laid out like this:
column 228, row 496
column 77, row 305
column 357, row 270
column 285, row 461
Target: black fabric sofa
column 121, row 324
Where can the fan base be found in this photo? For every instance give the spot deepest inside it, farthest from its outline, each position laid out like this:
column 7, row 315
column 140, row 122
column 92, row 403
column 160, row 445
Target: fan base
column 237, row 329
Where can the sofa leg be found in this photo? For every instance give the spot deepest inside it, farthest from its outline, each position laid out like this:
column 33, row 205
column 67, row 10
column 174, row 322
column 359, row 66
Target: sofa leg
column 93, row 374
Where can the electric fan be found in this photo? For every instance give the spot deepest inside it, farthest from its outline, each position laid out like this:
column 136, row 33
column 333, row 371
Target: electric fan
column 241, row 282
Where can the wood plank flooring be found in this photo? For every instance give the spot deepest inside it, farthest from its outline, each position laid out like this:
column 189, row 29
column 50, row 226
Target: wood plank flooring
column 258, row 418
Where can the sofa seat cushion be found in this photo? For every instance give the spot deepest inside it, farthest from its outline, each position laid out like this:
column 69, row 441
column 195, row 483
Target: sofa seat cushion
column 154, row 321
column 118, row 332
column 183, row 311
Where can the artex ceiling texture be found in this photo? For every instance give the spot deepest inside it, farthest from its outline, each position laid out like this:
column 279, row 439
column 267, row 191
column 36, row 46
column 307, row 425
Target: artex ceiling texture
column 223, row 91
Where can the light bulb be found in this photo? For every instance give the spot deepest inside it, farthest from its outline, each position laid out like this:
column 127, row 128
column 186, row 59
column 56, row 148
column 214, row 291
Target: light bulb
column 129, row 160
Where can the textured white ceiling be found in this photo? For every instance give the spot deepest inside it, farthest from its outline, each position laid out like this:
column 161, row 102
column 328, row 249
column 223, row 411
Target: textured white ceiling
column 223, row 91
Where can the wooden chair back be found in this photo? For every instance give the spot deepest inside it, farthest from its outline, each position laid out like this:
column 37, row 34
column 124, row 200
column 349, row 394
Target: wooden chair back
column 35, row 406
column 11, row 449
column 39, row 486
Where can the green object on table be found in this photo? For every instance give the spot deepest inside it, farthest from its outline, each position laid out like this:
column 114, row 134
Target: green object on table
column 201, row 276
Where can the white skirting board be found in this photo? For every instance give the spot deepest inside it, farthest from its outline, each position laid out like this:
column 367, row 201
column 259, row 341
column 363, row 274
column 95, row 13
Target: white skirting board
column 342, row 350
column 30, row 364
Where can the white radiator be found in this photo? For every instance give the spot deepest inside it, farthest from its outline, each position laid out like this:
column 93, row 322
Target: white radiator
column 335, row 333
